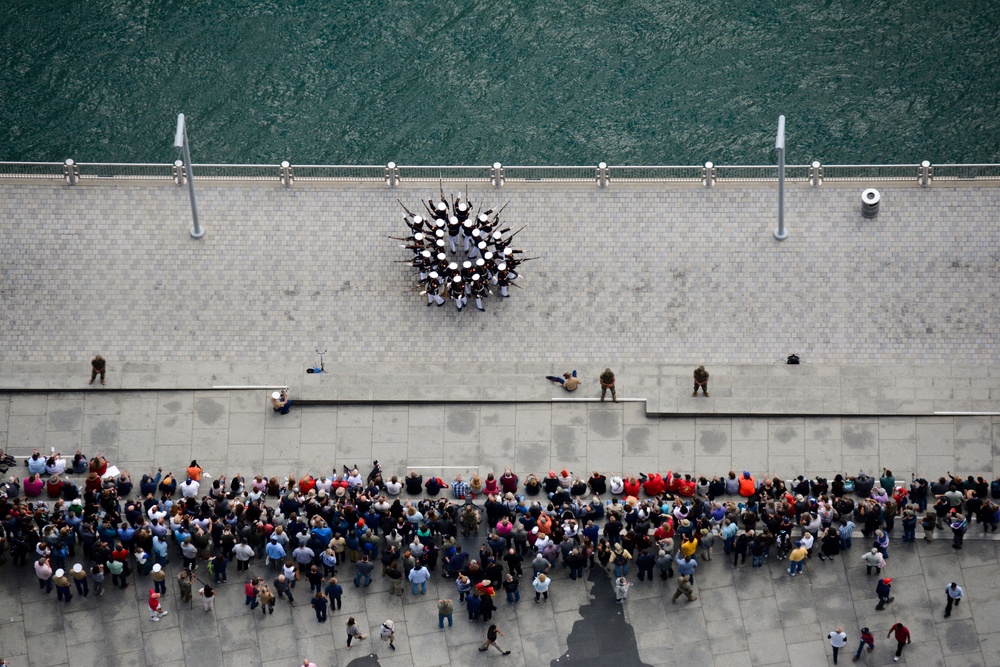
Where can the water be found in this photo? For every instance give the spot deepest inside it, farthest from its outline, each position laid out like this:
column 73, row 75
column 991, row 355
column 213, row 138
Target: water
column 472, row 82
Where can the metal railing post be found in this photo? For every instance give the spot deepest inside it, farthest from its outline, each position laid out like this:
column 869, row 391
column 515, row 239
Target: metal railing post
column 708, row 175
column 71, row 171
column 603, row 175
column 391, row 175
column 496, row 175
column 926, row 173
column 178, row 172
column 816, row 174
column 286, row 174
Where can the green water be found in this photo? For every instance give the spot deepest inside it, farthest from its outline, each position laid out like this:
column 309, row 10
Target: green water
column 450, row 82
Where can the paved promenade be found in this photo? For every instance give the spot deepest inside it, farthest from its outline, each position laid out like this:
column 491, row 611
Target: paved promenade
column 742, row 617
column 635, row 273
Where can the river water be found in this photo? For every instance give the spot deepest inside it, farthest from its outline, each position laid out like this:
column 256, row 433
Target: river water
column 473, row 82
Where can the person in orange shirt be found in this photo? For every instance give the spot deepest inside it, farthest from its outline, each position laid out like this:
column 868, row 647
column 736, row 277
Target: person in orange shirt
column 194, row 471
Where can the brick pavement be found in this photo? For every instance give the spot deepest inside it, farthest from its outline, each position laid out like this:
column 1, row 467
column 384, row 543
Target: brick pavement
column 635, row 273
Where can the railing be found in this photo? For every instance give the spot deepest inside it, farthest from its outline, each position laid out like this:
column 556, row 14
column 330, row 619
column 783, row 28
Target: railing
column 966, row 172
column 602, row 175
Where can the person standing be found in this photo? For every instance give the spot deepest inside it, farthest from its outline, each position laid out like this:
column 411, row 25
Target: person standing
column 387, row 634
column 80, row 579
column 838, row 640
column 98, row 366
column 445, row 610
column 797, row 558
column 335, row 593
column 319, row 605
column 156, row 612
column 902, row 638
column 491, row 640
column 284, row 589
column 959, row 525
column 883, row 590
column 207, row 594
column 866, row 638
column 621, row 589
column 61, row 581
column 418, row 579
column 243, row 553
column 97, row 574
column 184, row 580
column 701, row 381
column 608, row 382
column 250, row 591
column 955, row 595
column 266, row 598
column 541, row 586
column 364, row 569
column 511, row 586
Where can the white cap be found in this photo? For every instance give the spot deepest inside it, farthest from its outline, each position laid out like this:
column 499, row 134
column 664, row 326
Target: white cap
column 439, row 222
column 441, row 206
column 418, row 236
column 457, row 279
column 439, row 233
column 480, row 262
column 481, row 245
column 466, row 265
column 425, row 253
column 476, row 233
column 441, row 255
column 157, row 567
column 453, row 220
column 488, row 255
column 453, row 266
column 417, row 219
column 276, row 395
column 463, row 206
column 507, row 252
column 475, row 276
column 439, row 243
column 502, row 266
column 483, row 217
column 467, row 223
column 60, row 572
column 433, row 274
column 497, row 236
column 78, row 568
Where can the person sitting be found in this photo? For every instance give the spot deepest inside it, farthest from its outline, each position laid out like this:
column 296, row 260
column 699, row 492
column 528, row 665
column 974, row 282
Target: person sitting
column 33, row 486
column 654, row 484
column 280, row 402
column 569, row 381
column 54, row 486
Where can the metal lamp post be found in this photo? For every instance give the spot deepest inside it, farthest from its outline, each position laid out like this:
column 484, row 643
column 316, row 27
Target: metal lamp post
column 181, row 142
column 779, row 146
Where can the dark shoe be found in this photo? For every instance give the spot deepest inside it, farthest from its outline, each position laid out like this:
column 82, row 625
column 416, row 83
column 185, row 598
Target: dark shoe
column 482, row 649
column 506, row 652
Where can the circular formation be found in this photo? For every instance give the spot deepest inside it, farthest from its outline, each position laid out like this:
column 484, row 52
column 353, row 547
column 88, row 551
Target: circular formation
column 451, row 229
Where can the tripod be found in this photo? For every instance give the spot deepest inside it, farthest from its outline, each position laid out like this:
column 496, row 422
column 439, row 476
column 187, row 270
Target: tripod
column 320, row 368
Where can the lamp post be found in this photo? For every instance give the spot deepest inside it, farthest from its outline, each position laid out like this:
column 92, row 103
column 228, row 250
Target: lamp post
column 779, row 146
column 181, row 142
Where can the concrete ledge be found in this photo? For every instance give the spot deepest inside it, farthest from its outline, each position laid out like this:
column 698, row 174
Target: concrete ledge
column 736, row 390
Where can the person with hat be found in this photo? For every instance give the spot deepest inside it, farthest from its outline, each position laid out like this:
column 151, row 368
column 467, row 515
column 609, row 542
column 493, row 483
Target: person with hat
column 479, row 290
column 156, row 611
column 159, row 579
column 959, row 525
column 80, row 579
column 275, row 553
column 867, row 638
column 797, row 558
column 387, row 634
column 902, row 638
column 883, row 590
column 62, row 586
column 432, row 287
column 685, row 588
column 280, row 401
column 456, row 291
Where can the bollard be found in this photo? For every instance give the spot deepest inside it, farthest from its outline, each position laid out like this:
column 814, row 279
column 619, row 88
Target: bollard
column 71, row 172
column 869, row 202
column 708, row 175
column 926, row 173
column 603, row 175
column 496, row 175
column 816, row 174
column 286, row 174
column 179, row 172
column 391, row 175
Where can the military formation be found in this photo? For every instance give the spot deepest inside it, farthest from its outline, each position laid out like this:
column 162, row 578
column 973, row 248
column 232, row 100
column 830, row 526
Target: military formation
column 460, row 255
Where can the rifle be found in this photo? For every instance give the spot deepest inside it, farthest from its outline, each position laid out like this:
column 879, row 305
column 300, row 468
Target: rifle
column 497, row 216
column 408, row 211
column 441, row 188
column 429, row 211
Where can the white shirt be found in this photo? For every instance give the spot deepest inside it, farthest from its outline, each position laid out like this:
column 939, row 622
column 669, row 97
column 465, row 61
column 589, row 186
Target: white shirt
column 189, row 489
column 956, row 594
column 838, row 639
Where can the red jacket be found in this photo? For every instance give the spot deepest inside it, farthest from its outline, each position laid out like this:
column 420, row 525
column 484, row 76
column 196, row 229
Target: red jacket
column 672, row 482
column 154, row 600
column 654, row 485
column 632, row 487
column 687, row 487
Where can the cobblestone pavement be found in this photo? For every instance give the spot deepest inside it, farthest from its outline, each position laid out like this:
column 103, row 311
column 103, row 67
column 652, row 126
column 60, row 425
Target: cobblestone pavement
column 742, row 617
column 634, row 273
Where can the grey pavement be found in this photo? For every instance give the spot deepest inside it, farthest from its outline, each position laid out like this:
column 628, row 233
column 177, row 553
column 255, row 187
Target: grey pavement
column 742, row 617
column 640, row 272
